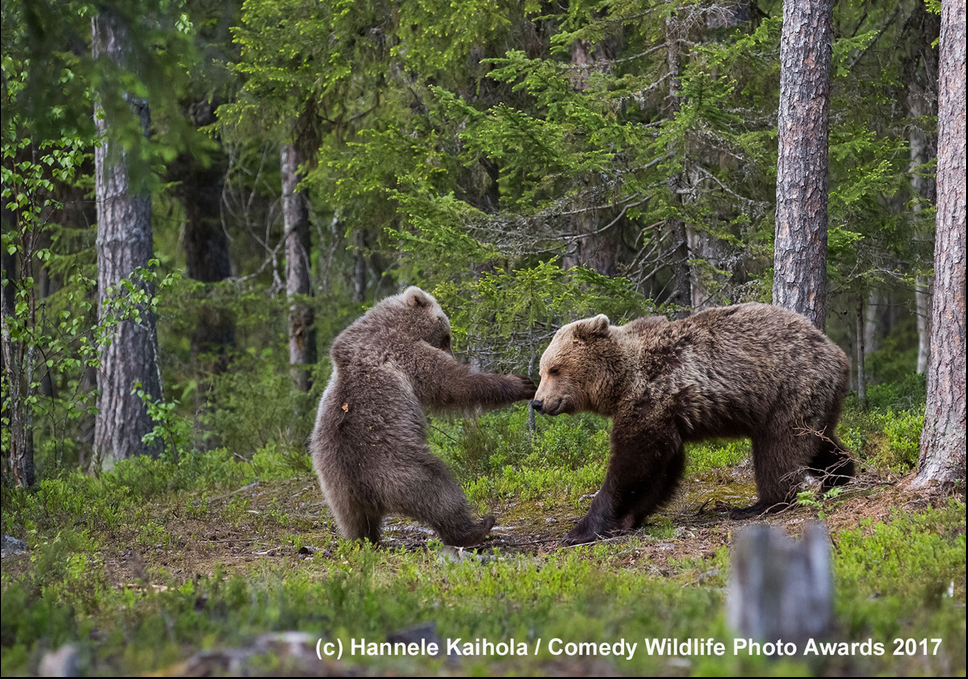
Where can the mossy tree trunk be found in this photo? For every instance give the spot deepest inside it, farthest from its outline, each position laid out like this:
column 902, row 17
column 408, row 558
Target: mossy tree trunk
column 680, row 290
column 18, row 360
column 124, row 244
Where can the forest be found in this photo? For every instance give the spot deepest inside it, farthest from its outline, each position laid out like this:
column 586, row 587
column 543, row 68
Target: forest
column 198, row 196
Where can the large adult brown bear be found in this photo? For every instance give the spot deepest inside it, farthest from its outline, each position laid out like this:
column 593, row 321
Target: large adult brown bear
column 369, row 445
column 748, row 370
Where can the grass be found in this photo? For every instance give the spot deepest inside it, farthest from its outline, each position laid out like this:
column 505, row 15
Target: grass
column 153, row 562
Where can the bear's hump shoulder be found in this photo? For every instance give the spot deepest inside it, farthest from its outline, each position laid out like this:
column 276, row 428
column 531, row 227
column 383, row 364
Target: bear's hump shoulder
column 647, row 325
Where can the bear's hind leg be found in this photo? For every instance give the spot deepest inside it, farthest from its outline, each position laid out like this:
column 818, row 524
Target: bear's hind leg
column 780, row 455
column 832, row 462
column 428, row 492
column 358, row 522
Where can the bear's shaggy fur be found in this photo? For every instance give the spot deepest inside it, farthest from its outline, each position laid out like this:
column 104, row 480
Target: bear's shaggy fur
column 748, row 370
column 369, row 445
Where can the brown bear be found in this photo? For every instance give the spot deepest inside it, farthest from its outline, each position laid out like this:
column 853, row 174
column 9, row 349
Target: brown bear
column 748, row 370
column 369, row 445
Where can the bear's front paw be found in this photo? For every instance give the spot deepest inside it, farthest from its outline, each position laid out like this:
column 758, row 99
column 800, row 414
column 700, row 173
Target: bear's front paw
column 580, row 537
column 521, row 387
column 470, row 536
column 584, row 533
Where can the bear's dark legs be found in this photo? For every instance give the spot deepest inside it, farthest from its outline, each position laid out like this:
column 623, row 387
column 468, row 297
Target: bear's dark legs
column 665, row 484
column 782, row 451
column 780, row 454
column 357, row 518
column 832, row 462
column 642, row 474
column 429, row 493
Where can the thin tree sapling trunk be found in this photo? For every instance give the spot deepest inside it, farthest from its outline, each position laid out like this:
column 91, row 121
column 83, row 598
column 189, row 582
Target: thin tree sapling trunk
column 302, row 332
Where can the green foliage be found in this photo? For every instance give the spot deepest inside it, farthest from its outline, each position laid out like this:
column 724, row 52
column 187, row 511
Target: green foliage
column 910, row 557
column 892, row 368
column 51, row 78
column 701, row 457
column 254, row 405
column 487, row 151
column 47, row 337
column 904, row 394
column 887, row 434
column 902, row 434
column 173, row 430
column 900, row 577
column 821, row 503
column 495, row 456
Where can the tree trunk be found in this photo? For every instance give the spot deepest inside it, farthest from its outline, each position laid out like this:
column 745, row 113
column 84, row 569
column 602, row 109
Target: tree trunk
column 329, row 244
column 861, row 372
column 295, row 211
column 18, row 368
column 800, row 251
column 18, row 373
column 943, row 438
column 875, row 326
column 359, row 265
column 922, row 306
column 206, row 245
column 681, row 293
column 123, row 245
column 597, row 251
column 778, row 588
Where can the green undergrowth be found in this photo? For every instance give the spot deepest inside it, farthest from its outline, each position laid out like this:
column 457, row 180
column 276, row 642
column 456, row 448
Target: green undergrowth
column 107, row 501
column 496, row 458
column 900, row 578
column 884, row 566
column 135, row 566
column 565, row 458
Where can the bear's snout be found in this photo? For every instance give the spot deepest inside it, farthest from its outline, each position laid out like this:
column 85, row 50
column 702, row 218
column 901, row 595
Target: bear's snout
column 547, row 408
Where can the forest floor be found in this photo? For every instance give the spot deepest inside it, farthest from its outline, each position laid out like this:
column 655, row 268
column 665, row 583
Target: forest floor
column 234, row 532
column 218, row 577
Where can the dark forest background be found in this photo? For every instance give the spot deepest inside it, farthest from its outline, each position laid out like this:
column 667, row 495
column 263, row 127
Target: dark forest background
column 528, row 163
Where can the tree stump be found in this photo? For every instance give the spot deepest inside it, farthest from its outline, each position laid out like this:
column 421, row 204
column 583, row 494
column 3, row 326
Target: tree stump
column 780, row 589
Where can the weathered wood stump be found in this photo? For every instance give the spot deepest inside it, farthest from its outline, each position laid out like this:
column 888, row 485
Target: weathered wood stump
column 780, row 589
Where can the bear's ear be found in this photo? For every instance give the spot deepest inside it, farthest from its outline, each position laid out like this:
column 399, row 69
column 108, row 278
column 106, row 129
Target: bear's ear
column 591, row 328
column 415, row 297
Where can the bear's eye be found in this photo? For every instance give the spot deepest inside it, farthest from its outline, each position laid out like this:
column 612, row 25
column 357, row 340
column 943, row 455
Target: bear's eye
column 553, row 371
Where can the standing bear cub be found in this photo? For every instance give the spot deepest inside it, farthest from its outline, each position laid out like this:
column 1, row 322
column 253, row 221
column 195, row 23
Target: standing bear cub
column 369, row 445
column 748, row 370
